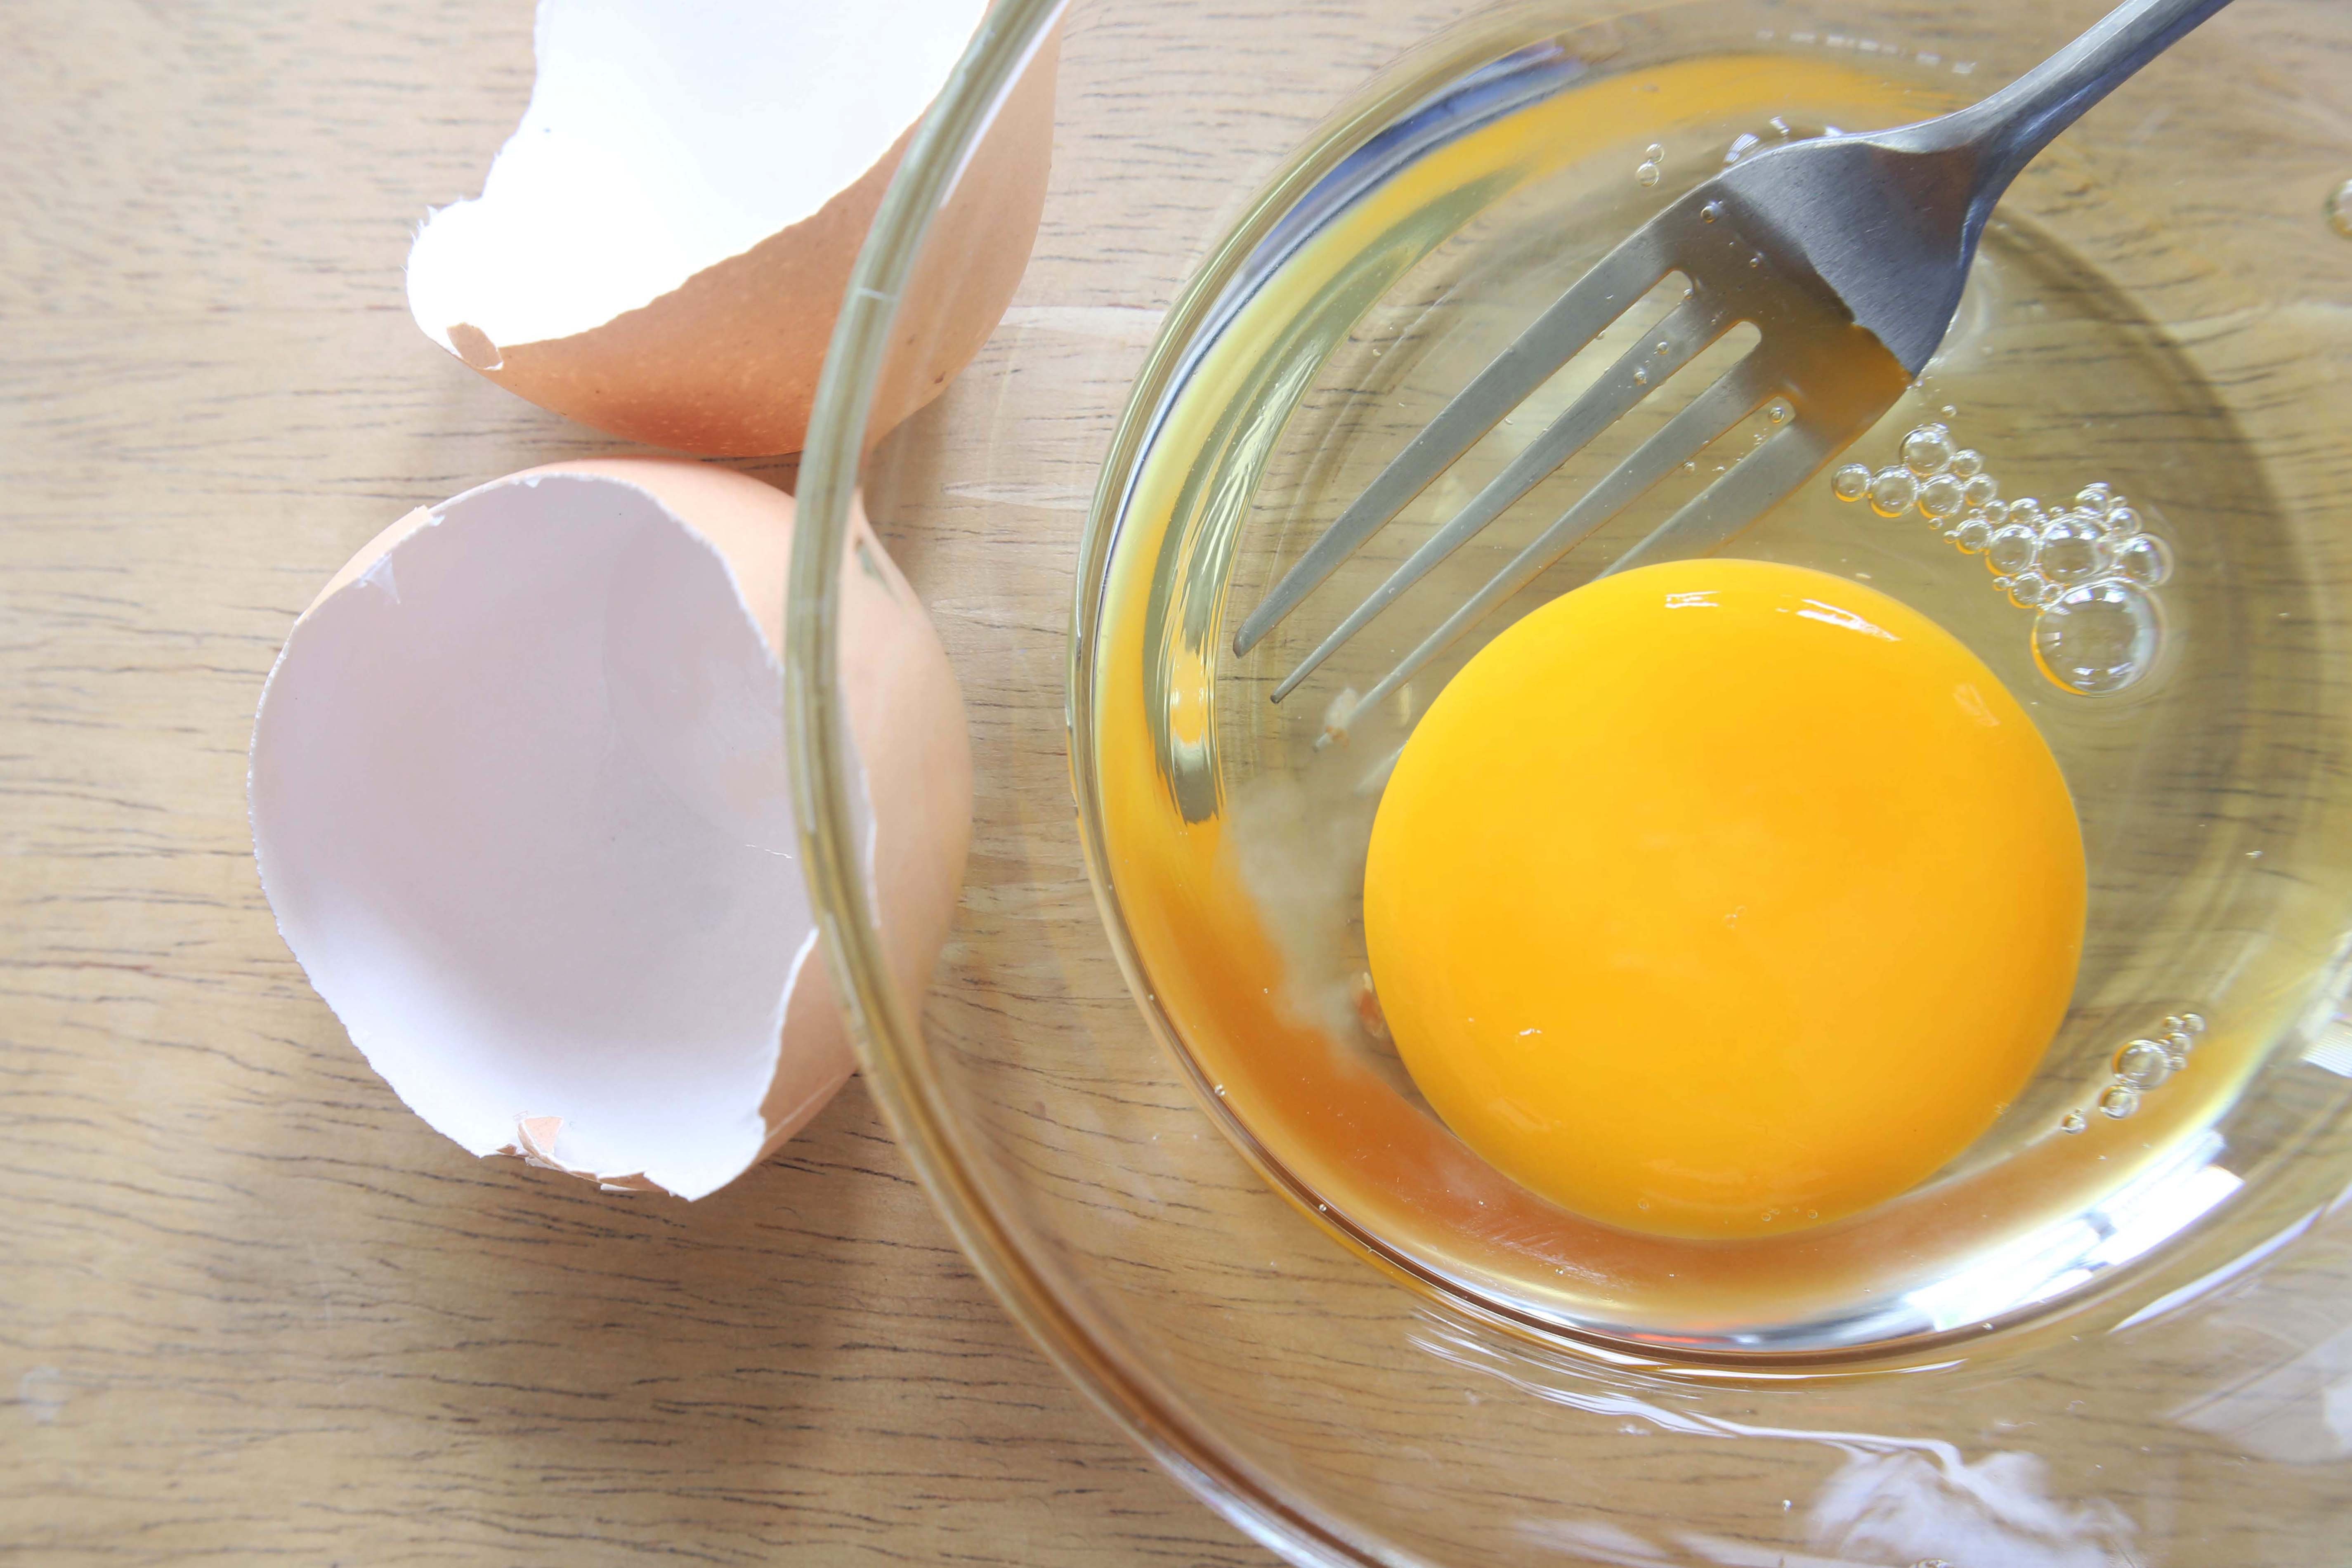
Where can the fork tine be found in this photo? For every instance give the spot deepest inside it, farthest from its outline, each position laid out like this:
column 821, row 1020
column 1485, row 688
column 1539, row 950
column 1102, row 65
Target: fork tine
column 1694, row 324
column 1570, row 322
column 1743, row 389
column 1741, row 496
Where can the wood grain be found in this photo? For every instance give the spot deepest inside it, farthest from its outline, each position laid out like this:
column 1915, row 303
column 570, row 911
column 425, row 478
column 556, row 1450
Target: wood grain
column 251, row 1309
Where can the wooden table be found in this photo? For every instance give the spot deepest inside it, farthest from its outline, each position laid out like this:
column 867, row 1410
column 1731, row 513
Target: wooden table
column 250, row 1306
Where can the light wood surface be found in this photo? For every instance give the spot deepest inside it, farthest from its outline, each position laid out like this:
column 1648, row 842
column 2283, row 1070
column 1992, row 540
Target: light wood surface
column 251, row 1309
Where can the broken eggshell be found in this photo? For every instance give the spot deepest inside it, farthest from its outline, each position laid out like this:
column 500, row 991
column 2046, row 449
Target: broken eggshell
column 519, row 805
column 661, row 247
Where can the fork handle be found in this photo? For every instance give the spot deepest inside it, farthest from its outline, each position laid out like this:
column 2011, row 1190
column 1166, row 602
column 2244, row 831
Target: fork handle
column 2008, row 129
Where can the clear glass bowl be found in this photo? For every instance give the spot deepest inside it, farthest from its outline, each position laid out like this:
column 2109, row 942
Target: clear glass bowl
column 2131, row 1345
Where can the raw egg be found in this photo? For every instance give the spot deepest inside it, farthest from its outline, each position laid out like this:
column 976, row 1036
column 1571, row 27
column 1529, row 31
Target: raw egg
column 1723, row 898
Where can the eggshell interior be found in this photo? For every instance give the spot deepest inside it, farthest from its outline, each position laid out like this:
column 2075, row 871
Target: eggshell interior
column 521, row 806
column 660, row 249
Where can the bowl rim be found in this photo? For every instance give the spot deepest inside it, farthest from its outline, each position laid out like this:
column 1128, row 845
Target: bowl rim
column 829, row 798
column 834, row 827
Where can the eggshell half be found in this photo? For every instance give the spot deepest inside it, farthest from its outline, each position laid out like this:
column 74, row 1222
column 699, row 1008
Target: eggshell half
column 519, row 805
column 660, row 250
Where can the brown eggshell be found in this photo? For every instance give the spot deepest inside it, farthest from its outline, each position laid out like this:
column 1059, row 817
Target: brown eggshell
column 727, row 363
column 893, row 668
column 398, row 762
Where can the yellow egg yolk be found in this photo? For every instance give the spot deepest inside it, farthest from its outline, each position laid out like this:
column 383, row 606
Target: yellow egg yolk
column 1723, row 898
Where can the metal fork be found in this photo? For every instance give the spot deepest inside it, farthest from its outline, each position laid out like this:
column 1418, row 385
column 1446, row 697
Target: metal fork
column 1846, row 253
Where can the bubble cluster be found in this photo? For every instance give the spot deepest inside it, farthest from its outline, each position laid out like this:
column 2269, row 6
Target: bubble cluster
column 2087, row 567
column 2144, row 559
column 1648, row 173
column 2028, row 590
column 2012, row 549
column 2073, row 548
column 1941, row 495
column 2098, row 638
column 1893, row 491
column 2143, row 1063
column 1927, row 450
column 2141, row 1067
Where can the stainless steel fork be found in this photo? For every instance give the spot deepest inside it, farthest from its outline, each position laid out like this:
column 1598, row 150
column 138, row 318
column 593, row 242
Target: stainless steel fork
column 1846, row 253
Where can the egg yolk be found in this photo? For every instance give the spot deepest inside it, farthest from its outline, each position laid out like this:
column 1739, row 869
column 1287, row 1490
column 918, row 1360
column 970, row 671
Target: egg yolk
column 1723, row 898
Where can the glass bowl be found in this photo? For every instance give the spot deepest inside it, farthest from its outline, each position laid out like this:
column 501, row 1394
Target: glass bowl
column 2125, row 1342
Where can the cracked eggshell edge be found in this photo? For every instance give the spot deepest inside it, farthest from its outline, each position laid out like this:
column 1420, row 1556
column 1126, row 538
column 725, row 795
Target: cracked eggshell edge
column 907, row 719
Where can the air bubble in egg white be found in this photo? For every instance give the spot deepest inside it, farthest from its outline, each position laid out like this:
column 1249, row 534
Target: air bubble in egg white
column 1892, row 492
column 1967, row 463
column 2027, row 510
column 2011, row 548
column 1973, row 534
column 2191, row 1023
column 1941, row 496
column 1647, row 174
column 2098, row 638
column 2028, row 589
column 2143, row 1063
column 2144, row 560
column 2095, row 496
column 2073, row 1121
column 1927, row 450
column 1851, row 482
column 2073, row 548
column 1979, row 490
column 2119, row 1100
column 2122, row 522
